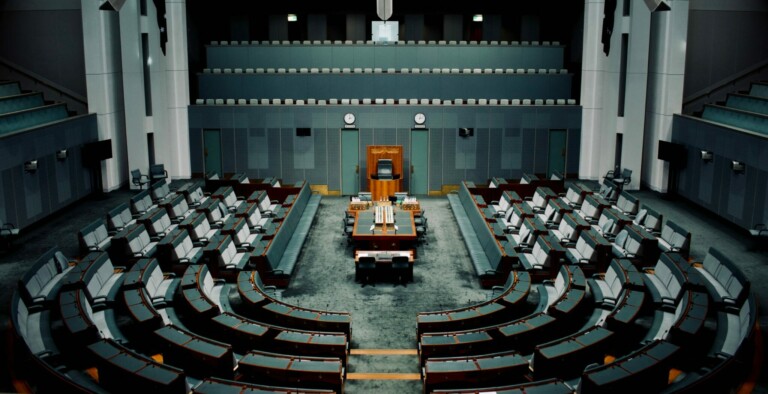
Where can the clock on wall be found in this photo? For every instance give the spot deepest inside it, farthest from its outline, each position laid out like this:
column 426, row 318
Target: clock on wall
column 419, row 118
column 349, row 118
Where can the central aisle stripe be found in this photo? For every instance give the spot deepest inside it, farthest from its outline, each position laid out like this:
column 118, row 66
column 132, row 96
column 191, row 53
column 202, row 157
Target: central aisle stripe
column 384, row 352
column 383, row 376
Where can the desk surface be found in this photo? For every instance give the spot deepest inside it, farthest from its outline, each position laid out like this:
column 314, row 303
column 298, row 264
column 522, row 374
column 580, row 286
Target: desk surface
column 406, row 229
column 384, row 255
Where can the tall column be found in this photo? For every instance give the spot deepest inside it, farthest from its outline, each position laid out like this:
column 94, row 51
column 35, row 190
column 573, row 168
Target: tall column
column 592, row 70
column 104, row 85
column 133, row 87
column 177, row 73
column 636, row 87
column 666, row 78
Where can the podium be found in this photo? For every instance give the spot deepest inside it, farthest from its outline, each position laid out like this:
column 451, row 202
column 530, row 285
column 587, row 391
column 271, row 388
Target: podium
column 386, row 181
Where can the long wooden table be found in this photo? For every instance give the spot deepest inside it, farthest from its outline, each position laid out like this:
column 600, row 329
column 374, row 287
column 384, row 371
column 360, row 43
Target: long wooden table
column 383, row 237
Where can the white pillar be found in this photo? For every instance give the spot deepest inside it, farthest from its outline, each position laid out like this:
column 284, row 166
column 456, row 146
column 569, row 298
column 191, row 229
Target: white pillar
column 636, row 86
column 665, row 87
column 104, row 86
column 591, row 89
column 133, row 87
column 177, row 77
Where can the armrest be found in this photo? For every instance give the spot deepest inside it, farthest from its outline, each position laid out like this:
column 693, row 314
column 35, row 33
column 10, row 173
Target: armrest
column 528, row 198
column 93, row 248
column 119, row 268
column 219, row 281
column 490, row 272
column 274, row 201
column 495, row 202
column 598, row 276
column 526, row 250
column 157, row 238
column 169, row 275
column 207, row 194
column 548, row 281
column 242, row 249
column 630, row 255
column 497, row 288
column 675, row 248
column 569, row 244
column 648, row 270
column 583, row 260
column 241, row 198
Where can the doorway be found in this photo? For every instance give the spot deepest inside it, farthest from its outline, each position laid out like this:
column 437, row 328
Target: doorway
column 212, row 151
column 557, row 150
column 419, row 162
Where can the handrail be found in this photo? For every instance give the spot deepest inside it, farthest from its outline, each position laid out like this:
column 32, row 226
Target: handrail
column 45, row 81
column 726, row 83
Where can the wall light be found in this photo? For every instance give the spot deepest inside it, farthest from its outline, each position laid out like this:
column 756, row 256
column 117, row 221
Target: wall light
column 292, row 18
column 61, row 154
column 737, row 166
column 30, row 166
column 706, row 156
column 477, row 18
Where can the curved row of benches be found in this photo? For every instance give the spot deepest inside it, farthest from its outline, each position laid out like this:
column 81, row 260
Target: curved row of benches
column 673, row 325
column 165, row 323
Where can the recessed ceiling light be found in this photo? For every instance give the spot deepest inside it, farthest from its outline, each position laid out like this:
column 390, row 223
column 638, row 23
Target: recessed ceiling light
column 477, row 18
column 292, row 18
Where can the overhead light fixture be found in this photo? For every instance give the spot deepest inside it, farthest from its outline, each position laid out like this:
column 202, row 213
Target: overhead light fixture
column 292, row 18
column 61, row 154
column 477, row 18
column 706, row 156
column 737, row 166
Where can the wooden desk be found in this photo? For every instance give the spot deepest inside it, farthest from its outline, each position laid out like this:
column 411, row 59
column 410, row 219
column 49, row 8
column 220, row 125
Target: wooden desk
column 379, row 238
column 383, row 188
column 384, row 256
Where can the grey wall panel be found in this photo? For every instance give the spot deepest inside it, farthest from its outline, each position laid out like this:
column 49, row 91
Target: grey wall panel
column 479, row 158
column 275, row 154
column 366, row 138
column 228, row 150
column 403, row 138
column 436, row 159
column 290, row 174
column 333, row 157
column 318, row 174
column 713, row 185
column 196, row 148
column 573, row 153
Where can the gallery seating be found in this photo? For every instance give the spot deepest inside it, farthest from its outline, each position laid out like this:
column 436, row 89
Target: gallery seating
column 40, row 284
column 576, row 194
column 313, row 372
column 488, row 313
column 199, row 228
column 538, row 202
column 217, row 385
column 549, row 386
column 225, row 255
column 177, row 208
column 141, row 203
column 476, row 371
column 566, row 357
column 177, row 248
column 119, row 218
column 226, row 194
column 198, row 356
column 119, row 367
column 546, row 254
column 139, row 179
column 193, row 193
column 649, row 219
column 647, row 367
column 159, row 191
column 133, row 243
column 634, row 243
column 215, row 211
column 157, row 223
column 627, row 204
column 592, row 208
column 256, row 221
column 727, row 285
column 243, row 237
column 591, row 251
column 674, row 238
column 94, row 237
column 569, row 229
